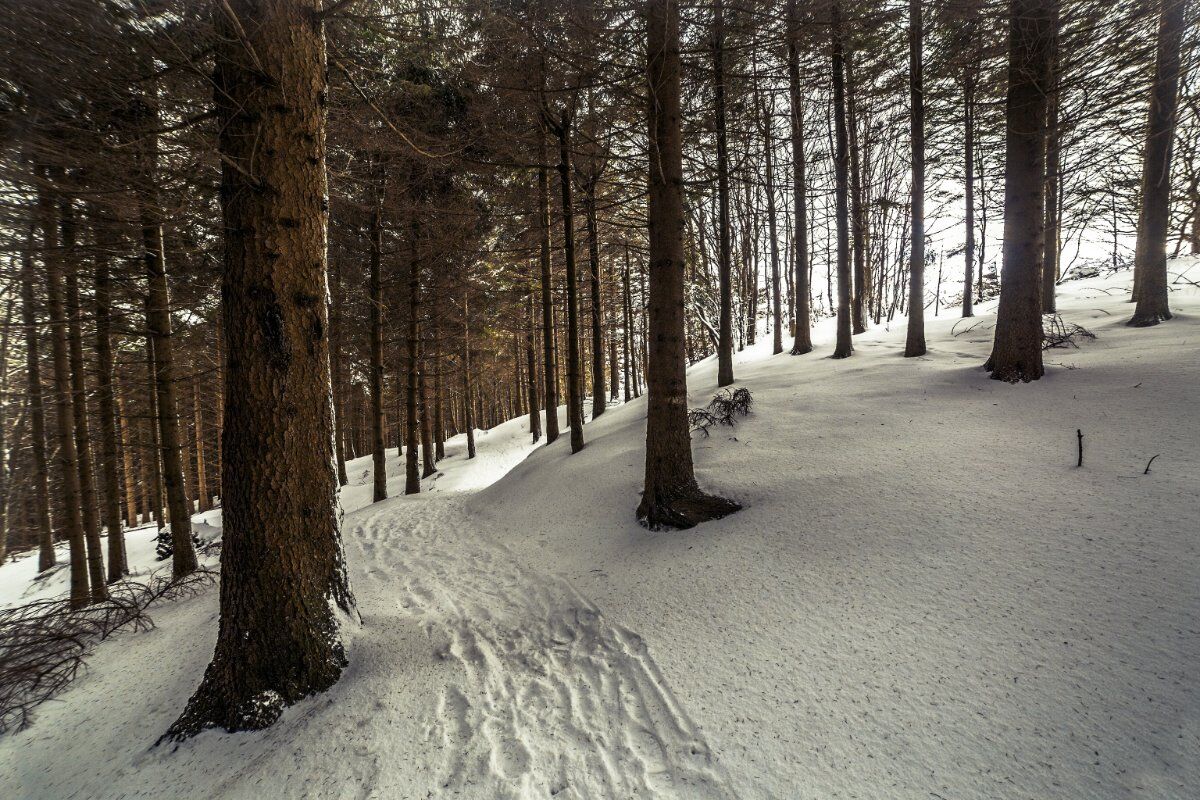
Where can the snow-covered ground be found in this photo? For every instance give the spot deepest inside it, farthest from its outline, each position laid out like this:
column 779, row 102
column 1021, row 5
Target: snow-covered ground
column 923, row 598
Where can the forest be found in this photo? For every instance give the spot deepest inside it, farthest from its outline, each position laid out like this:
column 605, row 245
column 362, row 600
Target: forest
column 354, row 354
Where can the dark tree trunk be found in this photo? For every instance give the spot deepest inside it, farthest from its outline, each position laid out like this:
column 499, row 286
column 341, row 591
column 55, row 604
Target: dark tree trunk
column 375, row 299
column 158, row 321
column 724, row 255
column 83, row 437
column 438, row 417
column 802, row 343
column 127, row 461
column 562, row 128
column 535, row 419
column 1150, row 255
column 1017, row 350
column 412, row 469
column 68, row 465
column 37, row 414
column 283, row 574
column 968, row 308
column 427, row 464
column 152, row 456
column 466, row 373
column 339, row 383
column 915, row 343
column 858, row 299
column 1053, row 157
column 550, row 368
column 599, row 395
column 844, row 347
column 106, row 396
column 627, row 324
column 671, row 498
column 769, row 166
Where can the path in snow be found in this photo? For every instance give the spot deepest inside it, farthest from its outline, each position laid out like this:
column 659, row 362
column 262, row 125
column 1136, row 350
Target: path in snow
column 548, row 698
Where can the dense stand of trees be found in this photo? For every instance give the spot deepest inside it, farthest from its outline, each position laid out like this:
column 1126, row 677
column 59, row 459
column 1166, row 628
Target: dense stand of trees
column 248, row 242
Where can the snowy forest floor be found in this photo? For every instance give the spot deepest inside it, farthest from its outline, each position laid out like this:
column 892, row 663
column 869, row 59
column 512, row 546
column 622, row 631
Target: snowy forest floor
column 923, row 598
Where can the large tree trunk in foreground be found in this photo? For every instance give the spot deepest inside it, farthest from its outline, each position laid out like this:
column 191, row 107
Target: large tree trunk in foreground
column 915, row 343
column 802, row 342
column 37, row 413
column 1017, row 350
column 283, row 573
column 1150, row 255
column 844, row 346
column 968, row 307
column 671, row 498
column 724, row 254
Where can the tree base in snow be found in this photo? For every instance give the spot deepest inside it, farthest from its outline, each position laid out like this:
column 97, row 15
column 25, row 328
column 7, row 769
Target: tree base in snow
column 1015, row 371
column 800, row 350
column 1145, row 319
column 679, row 513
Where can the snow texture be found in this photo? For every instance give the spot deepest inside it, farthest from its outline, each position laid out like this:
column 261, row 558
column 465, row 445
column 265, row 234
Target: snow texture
column 923, row 598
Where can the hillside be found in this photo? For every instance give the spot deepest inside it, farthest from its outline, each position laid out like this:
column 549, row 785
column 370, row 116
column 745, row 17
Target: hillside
column 923, row 597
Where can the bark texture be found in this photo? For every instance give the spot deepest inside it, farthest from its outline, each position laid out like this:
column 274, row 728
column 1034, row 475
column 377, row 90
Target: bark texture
column 844, row 346
column 1017, row 350
column 915, row 343
column 1150, row 255
column 283, row 574
column 671, row 498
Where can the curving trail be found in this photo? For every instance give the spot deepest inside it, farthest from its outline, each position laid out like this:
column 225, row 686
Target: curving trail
column 545, row 698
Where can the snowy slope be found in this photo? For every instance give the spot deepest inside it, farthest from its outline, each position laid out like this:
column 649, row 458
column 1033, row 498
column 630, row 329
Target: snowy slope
column 922, row 598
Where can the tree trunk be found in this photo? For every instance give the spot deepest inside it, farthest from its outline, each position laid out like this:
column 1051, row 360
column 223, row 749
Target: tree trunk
column 1051, row 243
column 844, row 347
column 1150, row 255
column 671, row 498
column 599, row 395
column 535, row 419
column 438, row 418
column 283, row 574
column 105, row 389
column 158, row 322
column 724, row 257
column 466, row 373
column 204, row 498
column 412, row 473
column 68, row 464
column 915, row 343
column 968, row 308
column 1017, row 350
column 858, row 296
column 550, row 368
column 339, row 383
column 802, row 342
column 160, row 512
column 427, row 465
column 769, row 166
column 574, row 359
column 131, row 504
column 37, row 413
column 83, row 437
column 375, row 298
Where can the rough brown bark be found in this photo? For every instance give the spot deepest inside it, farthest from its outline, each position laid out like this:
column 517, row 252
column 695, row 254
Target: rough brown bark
column 204, row 501
column 802, row 342
column 1150, row 254
column 915, row 343
column 283, row 574
column 671, row 498
column 339, row 382
column 858, row 227
column 127, row 462
column 1017, row 350
column 151, row 456
column 844, row 346
column 535, row 419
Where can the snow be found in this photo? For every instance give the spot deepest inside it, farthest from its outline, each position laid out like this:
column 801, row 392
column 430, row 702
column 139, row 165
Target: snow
column 923, row 598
